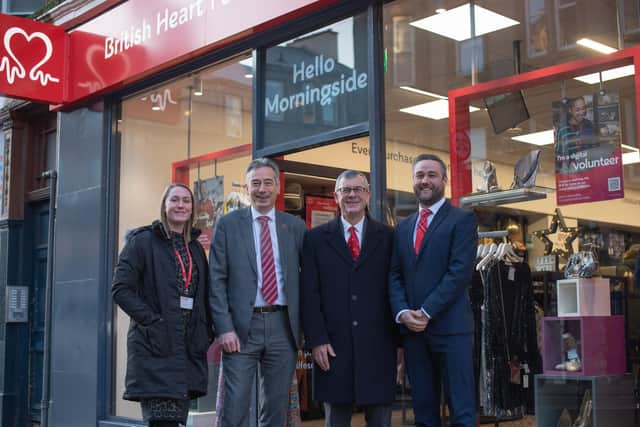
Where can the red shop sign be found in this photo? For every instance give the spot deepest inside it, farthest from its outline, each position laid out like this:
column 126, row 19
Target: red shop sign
column 135, row 39
column 32, row 59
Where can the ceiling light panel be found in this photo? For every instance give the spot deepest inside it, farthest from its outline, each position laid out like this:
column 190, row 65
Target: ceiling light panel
column 456, row 23
column 630, row 158
column 597, row 46
column 544, row 137
column 612, row 74
column 435, row 110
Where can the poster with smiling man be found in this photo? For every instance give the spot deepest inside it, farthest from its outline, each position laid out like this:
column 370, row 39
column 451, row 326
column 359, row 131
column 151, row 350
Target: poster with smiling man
column 588, row 154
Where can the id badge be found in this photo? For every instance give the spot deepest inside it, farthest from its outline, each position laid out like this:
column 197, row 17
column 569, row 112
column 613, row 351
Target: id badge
column 186, row 303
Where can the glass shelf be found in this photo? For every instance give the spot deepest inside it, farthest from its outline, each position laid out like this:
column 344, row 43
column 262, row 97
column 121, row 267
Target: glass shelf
column 505, row 196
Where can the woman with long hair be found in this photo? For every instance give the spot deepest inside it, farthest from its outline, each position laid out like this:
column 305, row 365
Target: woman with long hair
column 161, row 282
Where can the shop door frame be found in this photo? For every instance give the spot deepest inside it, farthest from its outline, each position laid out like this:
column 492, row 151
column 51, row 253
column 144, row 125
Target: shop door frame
column 459, row 100
column 37, row 225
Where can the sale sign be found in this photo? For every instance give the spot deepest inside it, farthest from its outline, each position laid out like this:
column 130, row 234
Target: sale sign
column 320, row 210
column 32, row 59
column 587, row 148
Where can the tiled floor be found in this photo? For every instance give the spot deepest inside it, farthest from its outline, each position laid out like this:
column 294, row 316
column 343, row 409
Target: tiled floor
column 396, row 421
column 358, row 420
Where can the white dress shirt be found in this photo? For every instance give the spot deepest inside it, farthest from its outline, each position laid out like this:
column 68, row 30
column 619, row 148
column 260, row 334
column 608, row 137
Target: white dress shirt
column 257, row 228
column 359, row 227
column 434, row 210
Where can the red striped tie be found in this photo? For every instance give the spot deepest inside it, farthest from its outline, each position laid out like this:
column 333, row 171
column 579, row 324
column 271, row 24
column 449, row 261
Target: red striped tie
column 422, row 229
column 269, row 281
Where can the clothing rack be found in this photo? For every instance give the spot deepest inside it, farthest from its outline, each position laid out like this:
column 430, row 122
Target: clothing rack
column 496, row 420
column 493, row 234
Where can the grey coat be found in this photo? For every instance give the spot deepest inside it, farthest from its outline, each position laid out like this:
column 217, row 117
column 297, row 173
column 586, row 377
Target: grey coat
column 233, row 271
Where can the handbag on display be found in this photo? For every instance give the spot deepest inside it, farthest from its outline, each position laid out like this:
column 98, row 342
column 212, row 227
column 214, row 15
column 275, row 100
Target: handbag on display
column 581, row 264
column 489, row 180
column 526, row 170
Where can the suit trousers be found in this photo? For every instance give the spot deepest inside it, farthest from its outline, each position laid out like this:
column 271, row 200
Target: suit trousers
column 270, row 347
column 437, row 361
column 339, row 415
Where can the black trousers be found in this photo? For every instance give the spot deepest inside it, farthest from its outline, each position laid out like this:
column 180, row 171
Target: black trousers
column 336, row 415
column 164, row 424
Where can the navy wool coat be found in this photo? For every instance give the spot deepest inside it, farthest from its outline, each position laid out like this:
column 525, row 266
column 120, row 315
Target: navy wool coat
column 346, row 303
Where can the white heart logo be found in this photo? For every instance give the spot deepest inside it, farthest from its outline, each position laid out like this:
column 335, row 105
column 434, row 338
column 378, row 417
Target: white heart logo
column 18, row 70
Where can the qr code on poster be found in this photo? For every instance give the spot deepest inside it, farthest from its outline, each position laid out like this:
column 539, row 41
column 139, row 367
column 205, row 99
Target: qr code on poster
column 614, row 183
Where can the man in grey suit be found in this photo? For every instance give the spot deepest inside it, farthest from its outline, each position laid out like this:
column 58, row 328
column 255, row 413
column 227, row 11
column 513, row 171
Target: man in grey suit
column 254, row 264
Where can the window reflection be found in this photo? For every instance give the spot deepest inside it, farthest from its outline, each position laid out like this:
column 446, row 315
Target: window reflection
column 196, row 130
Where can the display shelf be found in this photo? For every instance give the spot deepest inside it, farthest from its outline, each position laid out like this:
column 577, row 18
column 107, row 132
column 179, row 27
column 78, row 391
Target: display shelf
column 612, row 399
column 600, row 344
column 583, row 297
column 505, row 196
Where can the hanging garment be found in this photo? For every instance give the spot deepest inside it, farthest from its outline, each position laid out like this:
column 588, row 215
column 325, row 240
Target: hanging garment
column 506, row 338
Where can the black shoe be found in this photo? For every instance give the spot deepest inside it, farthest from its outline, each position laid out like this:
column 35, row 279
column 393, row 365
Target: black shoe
column 565, row 419
column 584, row 416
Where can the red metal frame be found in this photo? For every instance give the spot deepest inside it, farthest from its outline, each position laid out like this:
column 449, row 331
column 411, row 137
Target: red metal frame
column 459, row 100
column 180, row 170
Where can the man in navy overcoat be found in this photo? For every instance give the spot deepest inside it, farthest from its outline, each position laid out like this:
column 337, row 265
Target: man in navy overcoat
column 345, row 310
column 432, row 262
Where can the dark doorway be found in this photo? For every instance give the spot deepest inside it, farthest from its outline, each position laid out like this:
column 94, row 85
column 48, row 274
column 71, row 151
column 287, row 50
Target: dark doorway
column 37, row 221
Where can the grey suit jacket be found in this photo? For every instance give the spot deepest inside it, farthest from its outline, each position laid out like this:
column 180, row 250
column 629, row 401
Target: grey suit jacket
column 233, row 280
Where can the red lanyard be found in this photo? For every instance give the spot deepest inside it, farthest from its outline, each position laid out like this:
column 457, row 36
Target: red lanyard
column 185, row 277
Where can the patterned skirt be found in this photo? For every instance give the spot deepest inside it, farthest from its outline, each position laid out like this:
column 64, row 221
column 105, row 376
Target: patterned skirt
column 158, row 409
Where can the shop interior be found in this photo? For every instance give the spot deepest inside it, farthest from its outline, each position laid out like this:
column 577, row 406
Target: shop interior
column 198, row 129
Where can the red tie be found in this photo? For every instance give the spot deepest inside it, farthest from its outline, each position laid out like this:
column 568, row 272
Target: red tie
column 353, row 243
column 422, row 228
column 269, row 281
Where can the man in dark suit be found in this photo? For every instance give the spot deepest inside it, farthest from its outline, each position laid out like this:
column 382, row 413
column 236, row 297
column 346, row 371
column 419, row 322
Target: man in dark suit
column 254, row 269
column 431, row 266
column 347, row 319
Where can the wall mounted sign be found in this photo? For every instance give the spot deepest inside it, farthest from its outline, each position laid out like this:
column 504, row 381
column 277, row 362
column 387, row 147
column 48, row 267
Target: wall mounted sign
column 320, row 210
column 127, row 43
column 317, row 82
column 17, row 309
column 32, row 59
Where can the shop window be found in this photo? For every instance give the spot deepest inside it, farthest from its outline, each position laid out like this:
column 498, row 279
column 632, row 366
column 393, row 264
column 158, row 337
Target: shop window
column 566, row 23
column 196, row 130
column 42, row 151
column 537, row 28
column 497, row 145
column 631, row 17
column 404, row 70
column 316, row 83
column 22, row 7
column 470, row 56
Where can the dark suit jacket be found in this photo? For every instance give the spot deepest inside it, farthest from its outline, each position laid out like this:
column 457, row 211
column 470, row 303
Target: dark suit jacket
column 345, row 303
column 234, row 273
column 636, row 276
column 437, row 278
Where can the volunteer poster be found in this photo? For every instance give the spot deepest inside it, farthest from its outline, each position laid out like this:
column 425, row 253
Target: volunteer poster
column 588, row 154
